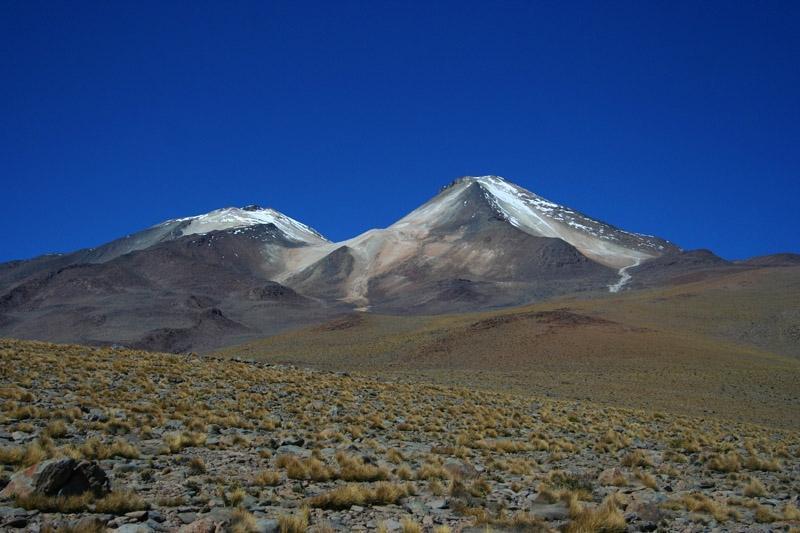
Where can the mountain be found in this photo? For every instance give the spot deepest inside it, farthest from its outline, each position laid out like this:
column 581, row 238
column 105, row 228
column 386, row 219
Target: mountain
column 205, row 281
column 480, row 241
column 282, row 228
column 185, row 284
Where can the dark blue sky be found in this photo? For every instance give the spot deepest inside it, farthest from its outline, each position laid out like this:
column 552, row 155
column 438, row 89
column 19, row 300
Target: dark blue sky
column 680, row 119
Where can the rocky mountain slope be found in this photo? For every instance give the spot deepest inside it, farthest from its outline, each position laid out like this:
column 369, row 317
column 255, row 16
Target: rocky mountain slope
column 201, row 282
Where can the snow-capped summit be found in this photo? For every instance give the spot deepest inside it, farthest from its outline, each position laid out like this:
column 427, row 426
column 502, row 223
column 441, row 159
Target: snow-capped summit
column 251, row 215
column 539, row 217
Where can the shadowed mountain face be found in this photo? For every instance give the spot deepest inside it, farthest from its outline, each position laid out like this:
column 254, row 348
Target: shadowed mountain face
column 233, row 274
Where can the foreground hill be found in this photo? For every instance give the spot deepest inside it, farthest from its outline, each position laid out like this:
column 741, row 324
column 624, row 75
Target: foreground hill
column 726, row 345
column 203, row 443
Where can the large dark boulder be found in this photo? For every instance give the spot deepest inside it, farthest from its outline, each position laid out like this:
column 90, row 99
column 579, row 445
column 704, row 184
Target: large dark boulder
column 59, row 477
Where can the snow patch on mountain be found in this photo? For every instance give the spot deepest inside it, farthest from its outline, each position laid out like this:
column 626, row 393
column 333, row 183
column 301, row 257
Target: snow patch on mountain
column 235, row 217
column 597, row 240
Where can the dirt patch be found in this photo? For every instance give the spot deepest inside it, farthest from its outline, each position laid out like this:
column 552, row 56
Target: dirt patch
column 558, row 317
column 345, row 322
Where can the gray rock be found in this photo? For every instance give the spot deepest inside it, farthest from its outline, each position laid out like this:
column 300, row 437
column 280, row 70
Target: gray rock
column 393, row 525
column 551, row 511
column 96, row 415
column 90, row 523
column 12, row 511
column 460, row 469
column 134, row 528
column 414, row 507
column 21, row 436
column 137, row 515
column 121, row 521
column 266, row 525
column 156, row 526
column 293, row 450
column 59, row 477
column 293, row 441
column 15, row 522
column 440, row 503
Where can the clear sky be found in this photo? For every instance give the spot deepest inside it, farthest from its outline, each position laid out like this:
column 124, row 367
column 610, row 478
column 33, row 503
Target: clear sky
column 680, row 119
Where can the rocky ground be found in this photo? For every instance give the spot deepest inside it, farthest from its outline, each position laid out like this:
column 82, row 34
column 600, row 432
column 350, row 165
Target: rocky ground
column 94, row 439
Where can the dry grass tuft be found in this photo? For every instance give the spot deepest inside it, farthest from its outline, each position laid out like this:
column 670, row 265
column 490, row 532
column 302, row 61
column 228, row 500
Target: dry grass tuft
column 267, row 478
column 606, row 518
column 114, row 503
column 753, row 488
column 178, row 441
column 242, row 521
column 353, row 468
column 344, row 497
column 295, row 523
column 728, row 462
column 700, row 503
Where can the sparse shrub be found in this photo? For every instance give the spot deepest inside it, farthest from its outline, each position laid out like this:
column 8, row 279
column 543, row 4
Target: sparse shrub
column 700, row 503
column 54, row 504
column 432, row 471
column 177, row 441
column 648, row 480
column 407, row 525
column 729, row 462
column 309, row 468
column 295, row 523
column 754, row 488
column 114, row 503
column 120, row 502
column 395, row 456
column 197, row 465
column 353, row 468
column 22, row 455
column 267, row 478
column 767, row 465
column 404, row 472
column 606, row 517
column 791, row 512
column 242, row 521
column 345, row 496
column 636, row 458
column 56, row 429
column 764, row 515
column 235, row 497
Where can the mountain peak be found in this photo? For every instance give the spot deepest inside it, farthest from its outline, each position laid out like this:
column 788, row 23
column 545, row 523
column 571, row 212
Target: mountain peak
column 540, row 217
column 250, row 215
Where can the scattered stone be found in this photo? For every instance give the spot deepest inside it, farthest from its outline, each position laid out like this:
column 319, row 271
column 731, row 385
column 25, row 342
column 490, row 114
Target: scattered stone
column 265, row 525
column 550, row 511
column 204, row 525
column 460, row 470
column 134, row 528
column 440, row 503
column 291, row 449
